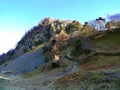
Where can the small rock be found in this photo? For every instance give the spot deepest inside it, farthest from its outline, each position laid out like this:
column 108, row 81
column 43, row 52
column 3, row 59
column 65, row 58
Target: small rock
column 84, row 88
column 69, row 56
column 98, row 81
column 109, row 86
column 118, row 75
column 96, row 88
column 108, row 79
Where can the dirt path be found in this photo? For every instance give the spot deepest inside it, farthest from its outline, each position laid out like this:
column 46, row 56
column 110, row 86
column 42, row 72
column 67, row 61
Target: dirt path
column 37, row 83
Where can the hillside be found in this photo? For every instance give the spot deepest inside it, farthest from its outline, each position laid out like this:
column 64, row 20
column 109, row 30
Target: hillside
column 100, row 71
column 64, row 55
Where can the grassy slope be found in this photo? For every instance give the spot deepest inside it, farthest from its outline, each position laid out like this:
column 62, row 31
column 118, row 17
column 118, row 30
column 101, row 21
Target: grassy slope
column 110, row 42
column 92, row 74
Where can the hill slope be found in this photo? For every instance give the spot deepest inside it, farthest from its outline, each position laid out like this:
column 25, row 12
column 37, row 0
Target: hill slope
column 100, row 71
column 70, row 59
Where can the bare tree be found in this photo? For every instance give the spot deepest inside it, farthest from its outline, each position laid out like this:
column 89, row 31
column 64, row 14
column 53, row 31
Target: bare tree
column 100, row 23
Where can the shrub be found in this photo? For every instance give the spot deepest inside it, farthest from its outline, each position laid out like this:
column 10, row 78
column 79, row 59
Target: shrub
column 38, row 42
column 75, row 25
column 55, row 65
column 36, row 67
column 45, row 49
column 25, row 50
column 53, row 42
column 47, row 59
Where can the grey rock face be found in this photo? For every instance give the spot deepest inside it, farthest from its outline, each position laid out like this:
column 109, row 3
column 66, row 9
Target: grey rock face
column 26, row 63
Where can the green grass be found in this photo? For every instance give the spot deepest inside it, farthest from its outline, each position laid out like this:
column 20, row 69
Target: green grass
column 110, row 41
column 36, row 48
column 109, row 38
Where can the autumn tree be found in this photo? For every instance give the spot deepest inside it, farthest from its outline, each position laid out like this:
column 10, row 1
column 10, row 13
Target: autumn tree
column 87, row 30
column 61, row 40
column 59, row 43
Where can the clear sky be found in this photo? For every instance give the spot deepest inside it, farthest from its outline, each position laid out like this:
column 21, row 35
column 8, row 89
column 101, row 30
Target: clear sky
column 18, row 16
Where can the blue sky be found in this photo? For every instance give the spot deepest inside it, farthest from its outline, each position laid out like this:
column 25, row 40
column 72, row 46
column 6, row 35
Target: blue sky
column 18, row 16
